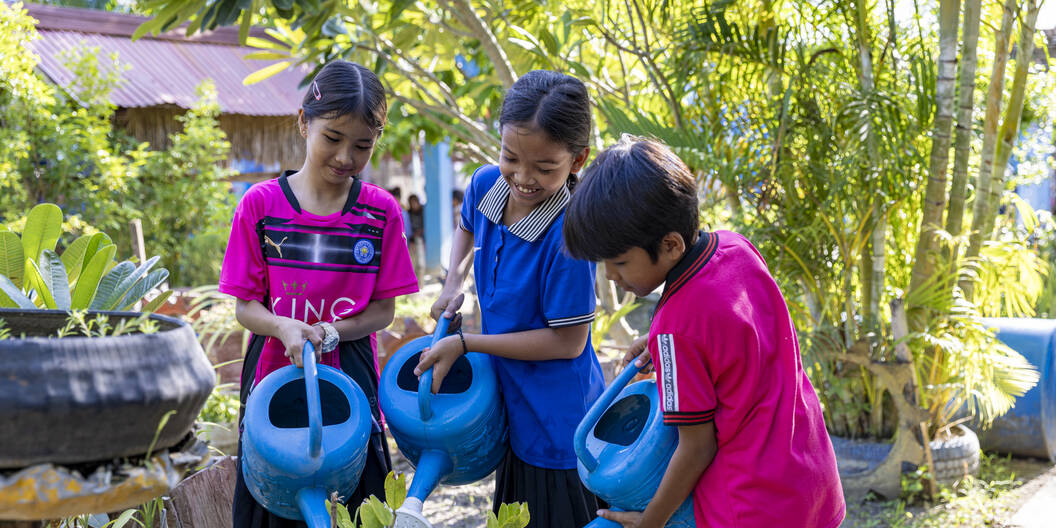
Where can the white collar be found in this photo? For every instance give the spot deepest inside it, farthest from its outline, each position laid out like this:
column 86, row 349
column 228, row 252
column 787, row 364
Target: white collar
column 532, row 226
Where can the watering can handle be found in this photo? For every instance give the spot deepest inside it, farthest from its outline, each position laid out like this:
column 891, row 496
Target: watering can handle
column 595, row 412
column 425, row 381
column 315, row 415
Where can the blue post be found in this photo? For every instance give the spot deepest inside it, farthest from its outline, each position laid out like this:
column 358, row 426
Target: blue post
column 439, row 173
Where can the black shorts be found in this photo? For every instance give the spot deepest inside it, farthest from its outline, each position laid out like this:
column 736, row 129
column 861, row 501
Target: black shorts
column 556, row 498
column 357, row 360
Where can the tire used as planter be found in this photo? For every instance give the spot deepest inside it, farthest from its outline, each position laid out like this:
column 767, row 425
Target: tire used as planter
column 956, row 456
column 78, row 399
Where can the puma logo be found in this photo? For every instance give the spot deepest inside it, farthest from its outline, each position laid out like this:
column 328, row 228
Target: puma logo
column 278, row 247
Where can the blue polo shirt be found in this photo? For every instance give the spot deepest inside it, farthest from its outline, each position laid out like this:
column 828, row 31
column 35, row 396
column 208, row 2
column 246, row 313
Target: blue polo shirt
column 525, row 281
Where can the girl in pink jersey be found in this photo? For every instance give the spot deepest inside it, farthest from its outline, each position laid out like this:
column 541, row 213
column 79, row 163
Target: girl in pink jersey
column 318, row 255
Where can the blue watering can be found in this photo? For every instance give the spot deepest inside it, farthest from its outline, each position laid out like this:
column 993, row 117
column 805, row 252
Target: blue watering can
column 455, row 437
column 624, row 448
column 306, row 433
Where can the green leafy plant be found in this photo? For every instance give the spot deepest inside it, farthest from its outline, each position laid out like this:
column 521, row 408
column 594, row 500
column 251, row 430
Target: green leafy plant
column 82, row 323
column 603, row 322
column 84, row 277
column 513, row 515
column 222, row 405
column 212, row 316
column 915, row 485
column 374, row 513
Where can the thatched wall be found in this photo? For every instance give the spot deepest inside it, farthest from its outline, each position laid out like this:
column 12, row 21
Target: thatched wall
column 265, row 139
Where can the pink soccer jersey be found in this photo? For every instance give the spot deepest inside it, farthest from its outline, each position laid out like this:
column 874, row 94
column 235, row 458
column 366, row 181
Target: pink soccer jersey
column 725, row 350
column 319, row 268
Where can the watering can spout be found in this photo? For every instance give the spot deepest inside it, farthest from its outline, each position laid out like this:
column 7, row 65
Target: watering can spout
column 431, row 467
column 590, row 462
column 312, row 504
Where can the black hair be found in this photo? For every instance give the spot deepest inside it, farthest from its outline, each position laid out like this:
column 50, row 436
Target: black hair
column 556, row 103
column 632, row 195
column 343, row 87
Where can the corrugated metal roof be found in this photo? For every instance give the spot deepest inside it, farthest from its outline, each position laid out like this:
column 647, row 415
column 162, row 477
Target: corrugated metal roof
column 167, row 71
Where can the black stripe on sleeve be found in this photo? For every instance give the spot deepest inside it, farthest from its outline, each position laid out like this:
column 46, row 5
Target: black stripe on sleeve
column 689, row 418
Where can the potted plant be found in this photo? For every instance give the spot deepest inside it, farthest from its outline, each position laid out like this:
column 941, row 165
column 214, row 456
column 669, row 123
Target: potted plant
column 86, row 380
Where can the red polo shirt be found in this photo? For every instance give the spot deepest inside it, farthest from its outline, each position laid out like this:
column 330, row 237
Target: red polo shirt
column 725, row 350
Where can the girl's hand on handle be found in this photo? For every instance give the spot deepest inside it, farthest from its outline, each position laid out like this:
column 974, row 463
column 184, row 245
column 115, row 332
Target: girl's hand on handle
column 447, row 305
column 639, row 352
column 440, row 357
column 294, row 333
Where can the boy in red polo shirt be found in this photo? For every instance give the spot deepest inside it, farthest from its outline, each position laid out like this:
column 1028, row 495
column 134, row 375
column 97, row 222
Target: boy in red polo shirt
column 753, row 449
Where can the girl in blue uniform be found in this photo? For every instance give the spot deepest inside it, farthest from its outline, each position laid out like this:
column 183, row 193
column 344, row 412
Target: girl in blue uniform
column 536, row 302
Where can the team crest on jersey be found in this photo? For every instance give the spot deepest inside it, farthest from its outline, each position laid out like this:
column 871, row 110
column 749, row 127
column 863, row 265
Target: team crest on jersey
column 363, row 251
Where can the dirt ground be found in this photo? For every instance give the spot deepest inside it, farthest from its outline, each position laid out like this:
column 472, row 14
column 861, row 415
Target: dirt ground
column 989, row 503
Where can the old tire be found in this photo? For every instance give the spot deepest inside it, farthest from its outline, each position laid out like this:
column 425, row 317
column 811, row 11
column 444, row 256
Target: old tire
column 78, row 399
column 955, row 457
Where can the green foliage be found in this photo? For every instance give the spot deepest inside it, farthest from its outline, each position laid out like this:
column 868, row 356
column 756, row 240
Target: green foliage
column 60, row 146
column 374, row 513
column 812, row 126
column 84, row 277
column 915, row 485
column 603, row 323
column 212, row 316
column 513, row 515
column 183, row 195
column 81, row 323
column 221, row 407
column 959, row 360
column 1044, row 241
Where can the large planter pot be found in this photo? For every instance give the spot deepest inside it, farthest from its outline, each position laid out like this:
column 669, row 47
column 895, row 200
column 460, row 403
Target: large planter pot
column 78, row 399
column 1029, row 427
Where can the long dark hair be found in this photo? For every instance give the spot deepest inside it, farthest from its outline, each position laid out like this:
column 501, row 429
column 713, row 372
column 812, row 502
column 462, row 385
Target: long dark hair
column 556, row 103
column 343, row 87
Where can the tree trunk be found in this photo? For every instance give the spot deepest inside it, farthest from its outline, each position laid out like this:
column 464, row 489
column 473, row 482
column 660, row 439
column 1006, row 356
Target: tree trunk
column 873, row 264
column 1010, row 126
column 965, row 103
column 935, row 195
column 879, row 256
column 984, row 180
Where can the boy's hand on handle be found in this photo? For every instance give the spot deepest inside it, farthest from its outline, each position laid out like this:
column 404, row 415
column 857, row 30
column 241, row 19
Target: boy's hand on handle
column 440, row 357
column 627, row 519
column 294, row 333
column 447, row 305
column 639, row 352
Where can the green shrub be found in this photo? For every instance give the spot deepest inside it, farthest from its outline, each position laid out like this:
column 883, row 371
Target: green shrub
column 84, row 277
column 60, row 146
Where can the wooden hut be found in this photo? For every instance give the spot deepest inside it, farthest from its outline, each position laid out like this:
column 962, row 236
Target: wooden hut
column 162, row 74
